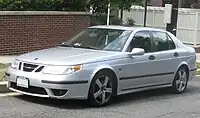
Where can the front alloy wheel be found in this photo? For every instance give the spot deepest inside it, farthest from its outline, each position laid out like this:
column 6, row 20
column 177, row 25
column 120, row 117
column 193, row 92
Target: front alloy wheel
column 101, row 89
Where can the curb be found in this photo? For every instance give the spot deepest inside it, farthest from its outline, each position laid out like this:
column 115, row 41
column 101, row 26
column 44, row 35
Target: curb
column 3, row 88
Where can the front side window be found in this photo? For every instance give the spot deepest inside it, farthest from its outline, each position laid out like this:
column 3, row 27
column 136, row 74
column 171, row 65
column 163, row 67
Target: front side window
column 100, row 39
column 160, row 41
column 142, row 39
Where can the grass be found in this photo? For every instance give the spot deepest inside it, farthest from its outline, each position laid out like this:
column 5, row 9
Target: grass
column 2, row 66
column 198, row 68
column 198, row 65
column 2, row 71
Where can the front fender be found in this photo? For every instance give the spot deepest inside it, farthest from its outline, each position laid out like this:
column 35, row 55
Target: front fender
column 101, row 67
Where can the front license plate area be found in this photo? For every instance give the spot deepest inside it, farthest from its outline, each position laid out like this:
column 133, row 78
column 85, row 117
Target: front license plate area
column 22, row 82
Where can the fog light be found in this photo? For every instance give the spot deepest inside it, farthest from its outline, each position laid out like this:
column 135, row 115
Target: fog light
column 58, row 92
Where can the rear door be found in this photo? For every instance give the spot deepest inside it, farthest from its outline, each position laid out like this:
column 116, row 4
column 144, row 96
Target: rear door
column 166, row 57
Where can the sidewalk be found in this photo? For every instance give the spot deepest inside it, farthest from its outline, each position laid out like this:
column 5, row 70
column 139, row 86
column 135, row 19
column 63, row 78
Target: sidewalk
column 198, row 57
column 6, row 59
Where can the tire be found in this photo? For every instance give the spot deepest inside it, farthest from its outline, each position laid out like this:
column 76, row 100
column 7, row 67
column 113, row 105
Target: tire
column 180, row 80
column 101, row 89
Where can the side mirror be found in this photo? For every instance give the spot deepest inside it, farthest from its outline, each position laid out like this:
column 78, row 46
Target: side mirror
column 63, row 43
column 137, row 51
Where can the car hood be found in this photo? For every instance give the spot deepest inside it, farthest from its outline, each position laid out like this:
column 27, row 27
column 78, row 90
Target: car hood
column 67, row 56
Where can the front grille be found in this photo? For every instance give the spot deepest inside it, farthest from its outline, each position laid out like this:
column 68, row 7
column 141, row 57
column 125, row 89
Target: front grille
column 39, row 69
column 31, row 89
column 20, row 65
column 29, row 67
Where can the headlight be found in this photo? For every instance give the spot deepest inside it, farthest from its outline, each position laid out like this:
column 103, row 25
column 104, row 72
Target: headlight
column 15, row 64
column 61, row 70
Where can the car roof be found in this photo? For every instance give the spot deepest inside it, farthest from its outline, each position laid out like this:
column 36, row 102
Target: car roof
column 120, row 27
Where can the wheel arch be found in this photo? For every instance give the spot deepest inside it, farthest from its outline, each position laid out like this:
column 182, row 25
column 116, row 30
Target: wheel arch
column 107, row 69
column 176, row 87
column 183, row 64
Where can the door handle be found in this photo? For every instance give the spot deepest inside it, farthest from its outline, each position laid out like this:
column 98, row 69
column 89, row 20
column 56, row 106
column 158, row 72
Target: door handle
column 152, row 57
column 176, row 54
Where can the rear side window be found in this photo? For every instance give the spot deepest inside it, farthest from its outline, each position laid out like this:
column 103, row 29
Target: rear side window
column 171, row 43
column 162, row 41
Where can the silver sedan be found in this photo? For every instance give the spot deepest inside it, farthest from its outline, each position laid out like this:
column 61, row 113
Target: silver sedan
column 105, row 61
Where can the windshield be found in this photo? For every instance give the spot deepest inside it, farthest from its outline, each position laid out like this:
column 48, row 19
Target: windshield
column 100, row 39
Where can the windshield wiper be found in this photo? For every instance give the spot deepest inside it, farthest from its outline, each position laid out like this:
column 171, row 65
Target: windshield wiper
column 86, row 47
column 76, row 46
column 65, row 45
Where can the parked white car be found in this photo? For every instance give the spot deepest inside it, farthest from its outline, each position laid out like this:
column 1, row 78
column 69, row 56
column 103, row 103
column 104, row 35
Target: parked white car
column 105, row 61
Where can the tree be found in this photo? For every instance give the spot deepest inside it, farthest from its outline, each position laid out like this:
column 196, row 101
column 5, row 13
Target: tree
column 42, row 5
column 195, row 4
column 125, row 5
column 100, row 6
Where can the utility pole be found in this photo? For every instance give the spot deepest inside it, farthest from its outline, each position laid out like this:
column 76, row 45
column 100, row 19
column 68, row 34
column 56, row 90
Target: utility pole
column 108, row 14
column 173, row 25
column 145, row 12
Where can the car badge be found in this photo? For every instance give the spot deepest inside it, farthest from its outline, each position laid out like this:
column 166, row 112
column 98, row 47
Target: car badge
column 36, row 59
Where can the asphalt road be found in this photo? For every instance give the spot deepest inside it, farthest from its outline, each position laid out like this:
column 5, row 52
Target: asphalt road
column 160, row 103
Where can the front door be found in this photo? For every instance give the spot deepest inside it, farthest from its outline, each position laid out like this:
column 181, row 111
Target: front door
column 137, row 70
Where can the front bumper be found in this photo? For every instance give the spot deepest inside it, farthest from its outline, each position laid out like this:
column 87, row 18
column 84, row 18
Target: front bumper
column 73, row 86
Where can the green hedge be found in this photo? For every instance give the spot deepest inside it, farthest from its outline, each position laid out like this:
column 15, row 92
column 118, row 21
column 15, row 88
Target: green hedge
column 42, row 5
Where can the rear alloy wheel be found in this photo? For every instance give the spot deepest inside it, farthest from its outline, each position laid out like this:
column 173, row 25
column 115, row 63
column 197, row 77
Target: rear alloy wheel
column 180, row 81
column 101, row 90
